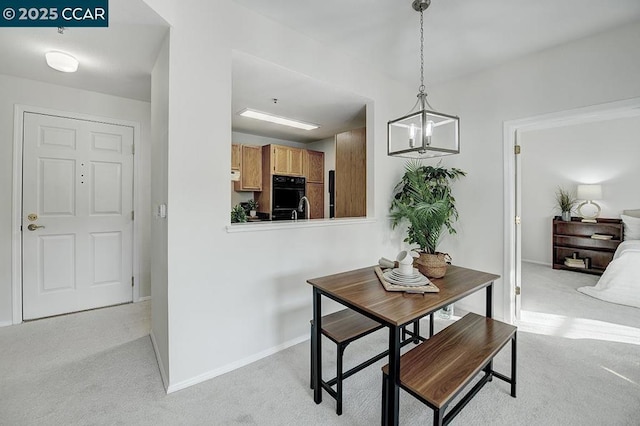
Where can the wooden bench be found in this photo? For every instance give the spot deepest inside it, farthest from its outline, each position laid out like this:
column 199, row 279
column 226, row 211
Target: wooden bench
column 344, row 327
column 437, row 370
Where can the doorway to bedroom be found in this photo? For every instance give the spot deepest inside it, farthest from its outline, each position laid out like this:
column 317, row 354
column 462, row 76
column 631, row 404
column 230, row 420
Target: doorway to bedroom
column 594, row 145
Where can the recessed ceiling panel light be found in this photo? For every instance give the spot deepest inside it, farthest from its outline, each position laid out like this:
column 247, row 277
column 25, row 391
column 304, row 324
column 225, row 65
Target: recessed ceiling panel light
column 250, row 113
column 61, row 61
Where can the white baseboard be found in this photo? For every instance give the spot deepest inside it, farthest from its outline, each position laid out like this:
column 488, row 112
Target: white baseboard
column 143, row 298
column 235, row 365
column 163, row 373
column 536, row 262
column 6, row 323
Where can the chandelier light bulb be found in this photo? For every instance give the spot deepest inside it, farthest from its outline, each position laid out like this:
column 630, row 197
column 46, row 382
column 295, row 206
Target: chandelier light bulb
column 412, row 135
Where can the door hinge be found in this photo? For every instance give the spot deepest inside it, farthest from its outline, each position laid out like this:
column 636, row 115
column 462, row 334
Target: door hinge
column 517, row 149
column 132, row 215
column 517, row 220
column 517, row 291
column 131, row 281
column 133, row 148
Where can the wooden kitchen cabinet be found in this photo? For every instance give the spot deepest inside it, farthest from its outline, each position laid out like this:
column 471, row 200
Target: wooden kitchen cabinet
column 314, row 173
column 285, row 160
column 314, row 166
column 250, row 168
column 351, row 174
column 235, row 156
column 315, row 194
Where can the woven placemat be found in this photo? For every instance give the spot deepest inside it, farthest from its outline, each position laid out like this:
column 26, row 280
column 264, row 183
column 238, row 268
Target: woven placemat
column 427, row 288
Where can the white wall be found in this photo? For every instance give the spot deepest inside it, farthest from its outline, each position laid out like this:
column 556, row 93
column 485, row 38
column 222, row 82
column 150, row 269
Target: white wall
column 33, row 93
column 159, row 172
column 218, row 280
column 604, row 152
column 595, row 70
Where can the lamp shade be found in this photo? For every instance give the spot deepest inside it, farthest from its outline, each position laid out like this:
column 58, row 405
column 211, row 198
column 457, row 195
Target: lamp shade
column 589, row 192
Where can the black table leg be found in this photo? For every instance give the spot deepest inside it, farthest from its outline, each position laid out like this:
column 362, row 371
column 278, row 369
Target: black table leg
column 316, row 345
column 393, row 385
column 489, row 313
column 489, row 307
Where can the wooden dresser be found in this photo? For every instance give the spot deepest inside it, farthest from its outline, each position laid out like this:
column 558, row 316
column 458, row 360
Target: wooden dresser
column 575, row 239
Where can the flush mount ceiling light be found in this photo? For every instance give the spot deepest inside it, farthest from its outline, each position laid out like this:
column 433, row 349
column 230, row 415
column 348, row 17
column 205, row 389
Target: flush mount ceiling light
column 425, row 133
column 264, row 116
column 61, row 61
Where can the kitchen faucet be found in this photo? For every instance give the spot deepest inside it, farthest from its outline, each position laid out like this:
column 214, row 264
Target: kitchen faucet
column 308, row 207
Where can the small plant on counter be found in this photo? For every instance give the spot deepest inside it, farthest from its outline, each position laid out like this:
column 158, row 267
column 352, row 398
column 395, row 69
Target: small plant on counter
column 252, row 206
column 238, row 215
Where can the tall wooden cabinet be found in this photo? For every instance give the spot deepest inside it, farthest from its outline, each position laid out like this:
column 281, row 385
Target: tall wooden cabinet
column 248, row 159
column 351, row 174
column 313, row 169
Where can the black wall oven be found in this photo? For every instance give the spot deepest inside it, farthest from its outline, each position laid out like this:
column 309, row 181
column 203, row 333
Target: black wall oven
column 286, row 194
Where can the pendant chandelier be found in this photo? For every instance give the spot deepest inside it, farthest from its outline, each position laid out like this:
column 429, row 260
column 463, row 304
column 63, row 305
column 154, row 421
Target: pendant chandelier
column 425, row 133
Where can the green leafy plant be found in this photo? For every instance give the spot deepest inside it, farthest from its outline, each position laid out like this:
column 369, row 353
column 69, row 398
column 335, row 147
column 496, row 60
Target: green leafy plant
column 423, row 199
column 565, row 199
column 252, row 204
column 238, row 214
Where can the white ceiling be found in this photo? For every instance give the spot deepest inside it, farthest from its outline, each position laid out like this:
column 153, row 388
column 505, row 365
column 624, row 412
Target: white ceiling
column 116, row 60
column 257, row 82
column 461, row 37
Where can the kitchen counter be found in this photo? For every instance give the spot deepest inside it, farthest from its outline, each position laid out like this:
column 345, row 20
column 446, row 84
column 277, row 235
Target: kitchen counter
column 266, row 225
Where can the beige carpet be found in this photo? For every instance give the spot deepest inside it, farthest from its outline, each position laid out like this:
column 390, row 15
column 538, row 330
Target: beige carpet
column 98, row 368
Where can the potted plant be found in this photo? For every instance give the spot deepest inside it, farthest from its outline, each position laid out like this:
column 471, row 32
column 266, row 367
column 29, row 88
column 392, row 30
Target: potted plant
column 252, row 206
column 423, row 199
column 238, row 214
column 565, row 201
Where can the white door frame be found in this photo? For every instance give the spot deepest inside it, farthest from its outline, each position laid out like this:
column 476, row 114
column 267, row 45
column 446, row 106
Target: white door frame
column 607, row 111
column 16, row 252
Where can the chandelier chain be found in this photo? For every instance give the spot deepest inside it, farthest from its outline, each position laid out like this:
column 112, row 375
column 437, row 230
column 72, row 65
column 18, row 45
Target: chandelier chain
column 421, row 88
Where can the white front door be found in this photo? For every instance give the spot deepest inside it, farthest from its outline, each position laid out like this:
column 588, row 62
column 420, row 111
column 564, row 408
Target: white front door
column 77, row 215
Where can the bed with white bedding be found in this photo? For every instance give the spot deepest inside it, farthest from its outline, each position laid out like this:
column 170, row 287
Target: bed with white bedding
column 620, row 282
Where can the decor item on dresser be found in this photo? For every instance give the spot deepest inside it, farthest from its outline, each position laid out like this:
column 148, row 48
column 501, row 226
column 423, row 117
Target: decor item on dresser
column 588, row 193
column 620, row 282
column 565, row 201
column 423, row 198
column 238, row 214
column 424, row 133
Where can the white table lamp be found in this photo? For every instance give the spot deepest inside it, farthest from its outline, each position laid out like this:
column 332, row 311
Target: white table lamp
column 588, row 193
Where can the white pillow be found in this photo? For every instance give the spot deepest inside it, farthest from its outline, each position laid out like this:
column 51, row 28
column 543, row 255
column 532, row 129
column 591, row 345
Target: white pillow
column 631, row 227
column 632, row 213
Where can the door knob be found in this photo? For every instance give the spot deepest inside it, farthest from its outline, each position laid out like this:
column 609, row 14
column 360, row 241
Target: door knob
column 33, row 227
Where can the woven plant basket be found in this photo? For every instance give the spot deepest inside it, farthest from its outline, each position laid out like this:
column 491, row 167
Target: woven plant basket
column 433, row 265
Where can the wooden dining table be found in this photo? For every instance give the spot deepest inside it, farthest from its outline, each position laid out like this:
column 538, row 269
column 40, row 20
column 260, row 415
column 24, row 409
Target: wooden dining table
column 362, row 291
